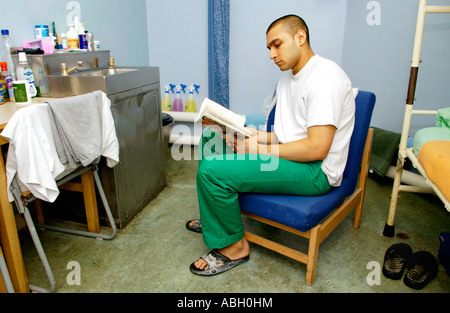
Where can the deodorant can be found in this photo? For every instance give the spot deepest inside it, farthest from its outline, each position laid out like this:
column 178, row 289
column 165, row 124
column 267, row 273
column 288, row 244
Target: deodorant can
column 83, row 41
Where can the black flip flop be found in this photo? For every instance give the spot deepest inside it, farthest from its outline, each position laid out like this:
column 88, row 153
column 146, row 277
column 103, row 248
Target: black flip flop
column 422, row 267
column 214, row 258
column 394, row 260
column 196, row 227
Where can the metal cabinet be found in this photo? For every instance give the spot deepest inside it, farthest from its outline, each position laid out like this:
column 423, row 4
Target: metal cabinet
column 140, row 174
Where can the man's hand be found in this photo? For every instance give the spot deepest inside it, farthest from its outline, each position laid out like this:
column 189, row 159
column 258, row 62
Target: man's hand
column 244, row 145
column 314, row 147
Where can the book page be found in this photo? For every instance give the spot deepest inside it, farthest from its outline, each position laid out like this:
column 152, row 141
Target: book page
column 211, row 114
column 222, row 113
column 211, row 122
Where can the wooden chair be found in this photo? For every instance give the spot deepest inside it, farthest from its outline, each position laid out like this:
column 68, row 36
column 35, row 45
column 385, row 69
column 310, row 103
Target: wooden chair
column 316, row 217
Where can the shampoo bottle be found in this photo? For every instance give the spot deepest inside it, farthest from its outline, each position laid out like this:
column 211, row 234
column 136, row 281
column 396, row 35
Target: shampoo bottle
column 166, row 103
column 190, row 103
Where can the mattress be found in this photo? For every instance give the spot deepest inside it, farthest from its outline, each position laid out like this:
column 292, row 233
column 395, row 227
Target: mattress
column 434, row 156
column 429, row 134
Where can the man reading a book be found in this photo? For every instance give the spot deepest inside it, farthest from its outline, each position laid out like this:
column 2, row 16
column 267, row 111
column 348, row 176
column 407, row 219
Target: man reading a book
column 313, row 123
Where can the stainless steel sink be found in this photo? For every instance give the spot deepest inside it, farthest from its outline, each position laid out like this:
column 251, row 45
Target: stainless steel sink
column 110, row 81
column 104, row 72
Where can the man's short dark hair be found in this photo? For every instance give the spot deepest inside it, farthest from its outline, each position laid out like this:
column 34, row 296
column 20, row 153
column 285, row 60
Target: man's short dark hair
column 292, row 24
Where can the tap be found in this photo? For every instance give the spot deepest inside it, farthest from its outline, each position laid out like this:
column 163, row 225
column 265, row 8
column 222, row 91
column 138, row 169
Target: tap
column 112, row 68
column 66, row 72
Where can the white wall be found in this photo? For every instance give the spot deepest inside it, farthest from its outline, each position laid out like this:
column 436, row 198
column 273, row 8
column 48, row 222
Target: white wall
column 173, row 34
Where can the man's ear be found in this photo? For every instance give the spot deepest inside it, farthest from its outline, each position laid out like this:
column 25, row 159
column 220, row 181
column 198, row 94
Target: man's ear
column 301, row 37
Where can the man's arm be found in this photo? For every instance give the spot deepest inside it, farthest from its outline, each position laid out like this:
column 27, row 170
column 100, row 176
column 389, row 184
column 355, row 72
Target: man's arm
column 313, row 148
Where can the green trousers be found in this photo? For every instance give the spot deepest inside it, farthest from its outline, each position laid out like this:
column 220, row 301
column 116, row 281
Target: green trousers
column 223, row 174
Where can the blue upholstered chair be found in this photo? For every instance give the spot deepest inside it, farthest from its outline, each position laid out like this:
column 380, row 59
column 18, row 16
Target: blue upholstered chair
column 316, row 217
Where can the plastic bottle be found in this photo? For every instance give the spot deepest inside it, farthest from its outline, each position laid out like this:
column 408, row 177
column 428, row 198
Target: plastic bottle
column 190, row 103
column 76, row 22
column 178, row 102
column 3, row 88
column 3, row 92
column 9, row 80
column 72, row 38
column 64, row 41
column 6, row 47
column 90, row 41
column 80, row 29
column 166, row 103
column 24, row 72
column 55, row 35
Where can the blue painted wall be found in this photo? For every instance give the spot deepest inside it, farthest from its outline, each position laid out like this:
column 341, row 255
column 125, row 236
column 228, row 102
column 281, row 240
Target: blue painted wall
column 119, row 25
column 371, row 40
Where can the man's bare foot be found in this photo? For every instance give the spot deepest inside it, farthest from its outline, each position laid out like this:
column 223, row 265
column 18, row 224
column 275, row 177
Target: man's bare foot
column 194, row 225
column 235, row 251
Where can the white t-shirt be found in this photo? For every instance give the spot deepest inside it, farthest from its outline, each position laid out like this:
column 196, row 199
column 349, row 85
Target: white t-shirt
column 320, row 94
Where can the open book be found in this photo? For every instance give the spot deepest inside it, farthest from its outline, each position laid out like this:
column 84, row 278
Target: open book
column 218, row 118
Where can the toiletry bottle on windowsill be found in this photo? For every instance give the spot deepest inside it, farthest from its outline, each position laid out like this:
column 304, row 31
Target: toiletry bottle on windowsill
column 166, row 103
column 178, row 102
column 190, row 103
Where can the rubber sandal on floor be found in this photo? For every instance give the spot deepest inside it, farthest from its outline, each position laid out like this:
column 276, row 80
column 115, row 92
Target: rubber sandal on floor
column 422, row 267
column 214, row 258
column 394, row 260
column 197, row 227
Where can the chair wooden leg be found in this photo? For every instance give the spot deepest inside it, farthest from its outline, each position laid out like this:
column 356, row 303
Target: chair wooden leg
column 2, row 284
column 313, row 254
column 363, row 177
column 90, row 201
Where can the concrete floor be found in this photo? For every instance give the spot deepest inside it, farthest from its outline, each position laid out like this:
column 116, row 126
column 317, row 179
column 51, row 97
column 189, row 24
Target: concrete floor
column 154, row 251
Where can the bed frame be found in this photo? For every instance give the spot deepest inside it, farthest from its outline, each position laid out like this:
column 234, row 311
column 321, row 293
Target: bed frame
column 404, row 152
